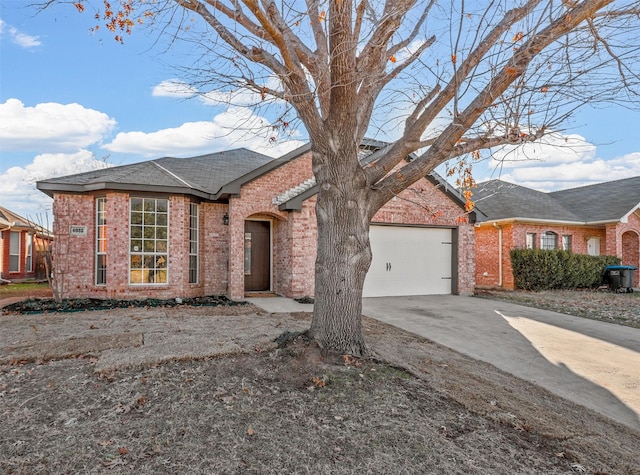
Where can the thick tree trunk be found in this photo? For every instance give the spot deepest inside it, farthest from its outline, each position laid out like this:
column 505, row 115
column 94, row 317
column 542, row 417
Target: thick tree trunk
column 344, row 252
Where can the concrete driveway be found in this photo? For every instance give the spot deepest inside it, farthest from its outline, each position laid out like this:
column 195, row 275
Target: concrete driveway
column 592, row 363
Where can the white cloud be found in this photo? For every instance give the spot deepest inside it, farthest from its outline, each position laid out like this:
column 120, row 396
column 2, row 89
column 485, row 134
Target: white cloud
column 551, row 149
column 173, row 88
column 51, row 126
column 19, row 193
column 21, row 39
column 571, row 175
column 560, row 162
column 240, row 97
column 237, row 127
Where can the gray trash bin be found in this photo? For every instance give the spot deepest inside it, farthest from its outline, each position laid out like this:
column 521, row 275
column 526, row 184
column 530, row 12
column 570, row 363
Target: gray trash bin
column 620, row 278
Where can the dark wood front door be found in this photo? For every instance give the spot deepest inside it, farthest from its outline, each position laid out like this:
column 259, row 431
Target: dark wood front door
column 257, row 256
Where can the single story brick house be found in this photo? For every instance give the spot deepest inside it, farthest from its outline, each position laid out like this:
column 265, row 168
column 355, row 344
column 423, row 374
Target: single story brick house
column 596, row 219
column 238, row 222
column 23, row 245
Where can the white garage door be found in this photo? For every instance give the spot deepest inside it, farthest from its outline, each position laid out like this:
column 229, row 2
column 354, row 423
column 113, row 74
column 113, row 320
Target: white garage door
column 409, row 261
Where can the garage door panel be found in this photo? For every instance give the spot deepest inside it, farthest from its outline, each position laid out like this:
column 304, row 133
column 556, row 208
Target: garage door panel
column 409, row 261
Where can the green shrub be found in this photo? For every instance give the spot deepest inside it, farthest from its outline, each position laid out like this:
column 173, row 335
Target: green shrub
column 537, row 269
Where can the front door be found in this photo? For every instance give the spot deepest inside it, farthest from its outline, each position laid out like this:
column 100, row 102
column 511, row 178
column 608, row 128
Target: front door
column 593, row 246
column 257, row 256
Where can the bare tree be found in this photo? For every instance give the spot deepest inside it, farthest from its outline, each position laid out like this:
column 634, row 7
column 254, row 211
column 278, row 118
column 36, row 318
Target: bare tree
column 452, row 78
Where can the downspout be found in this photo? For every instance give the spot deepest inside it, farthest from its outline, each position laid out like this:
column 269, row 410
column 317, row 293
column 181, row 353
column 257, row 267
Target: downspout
column 499, row 228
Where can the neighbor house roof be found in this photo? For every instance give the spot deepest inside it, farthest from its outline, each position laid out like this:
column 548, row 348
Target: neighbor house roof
column 600, row 203
column 11, row 220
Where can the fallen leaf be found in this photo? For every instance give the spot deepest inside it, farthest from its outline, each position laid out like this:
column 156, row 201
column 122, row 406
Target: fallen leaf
column 250, row 431
column 123, row 451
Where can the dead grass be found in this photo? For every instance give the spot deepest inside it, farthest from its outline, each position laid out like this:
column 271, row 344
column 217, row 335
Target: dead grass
column 210, row 392
column 603, row 305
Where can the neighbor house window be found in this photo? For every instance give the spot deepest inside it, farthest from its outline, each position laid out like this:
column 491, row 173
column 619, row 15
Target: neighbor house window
column 14, row 251
column 29, row 253
column 149, row 241
column 531, row 240
column 549, row 241
column 101, row 241
column 193, row 243
column 566, row 243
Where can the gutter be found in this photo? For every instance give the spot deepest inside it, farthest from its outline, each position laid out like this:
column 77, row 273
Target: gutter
column 545, row 221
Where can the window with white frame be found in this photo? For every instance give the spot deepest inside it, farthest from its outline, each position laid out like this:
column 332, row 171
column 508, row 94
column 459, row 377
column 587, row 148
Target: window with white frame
column 149, row 241
column 531, row 241
column 29, row 266
column 101, row 241
column 14, row 251
column 549, row 241
column 193, row 243
column 566, row 242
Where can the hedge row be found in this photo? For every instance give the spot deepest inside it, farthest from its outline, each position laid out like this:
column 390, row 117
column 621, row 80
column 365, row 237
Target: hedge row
column 537, row 269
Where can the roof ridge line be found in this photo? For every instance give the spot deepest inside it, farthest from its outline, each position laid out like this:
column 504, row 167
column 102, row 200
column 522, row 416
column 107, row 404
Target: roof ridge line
column 171, row 173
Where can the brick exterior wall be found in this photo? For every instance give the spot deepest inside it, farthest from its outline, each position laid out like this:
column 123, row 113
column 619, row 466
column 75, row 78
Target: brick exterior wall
column 221, row 247
column 487, row 254
column 629, row 239
column 36, row 255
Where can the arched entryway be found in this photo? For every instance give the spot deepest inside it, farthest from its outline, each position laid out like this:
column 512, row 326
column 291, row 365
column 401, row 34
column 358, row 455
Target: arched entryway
column 631, row 249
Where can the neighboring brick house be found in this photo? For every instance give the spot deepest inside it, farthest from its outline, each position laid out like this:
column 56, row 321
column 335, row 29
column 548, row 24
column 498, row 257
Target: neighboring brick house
column 236, row 222
column 595, row 219
column 23, row 245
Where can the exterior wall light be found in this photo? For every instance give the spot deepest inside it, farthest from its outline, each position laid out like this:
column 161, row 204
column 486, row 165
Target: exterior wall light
column 225, row 219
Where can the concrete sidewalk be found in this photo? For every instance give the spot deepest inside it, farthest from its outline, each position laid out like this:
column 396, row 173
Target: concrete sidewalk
column 592, row 363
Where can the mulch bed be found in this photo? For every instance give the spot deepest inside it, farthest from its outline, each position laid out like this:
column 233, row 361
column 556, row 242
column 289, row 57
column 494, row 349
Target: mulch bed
column 37, row 305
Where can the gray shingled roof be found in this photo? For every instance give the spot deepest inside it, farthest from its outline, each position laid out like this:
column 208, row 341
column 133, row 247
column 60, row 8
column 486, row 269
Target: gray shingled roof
column 587, row 204
column 204, row 176
column 602, row 202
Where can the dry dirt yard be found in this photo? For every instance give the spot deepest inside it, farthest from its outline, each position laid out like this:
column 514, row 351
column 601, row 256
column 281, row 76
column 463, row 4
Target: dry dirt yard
column 600, row 304
column 207, row 390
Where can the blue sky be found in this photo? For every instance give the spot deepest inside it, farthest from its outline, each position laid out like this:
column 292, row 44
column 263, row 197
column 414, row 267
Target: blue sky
column 69, row 98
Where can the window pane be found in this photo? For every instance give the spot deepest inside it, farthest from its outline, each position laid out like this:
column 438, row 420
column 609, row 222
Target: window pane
column 162, row 206
column 14, row 243
column 136, row 245
column 150, row 206
column 549, row 241
column 149, row 219
column 136, row 204
column 161, row 219
column 14, row 251
column 136, row 262
column 247, row 253
column 136, row 232
column 101, row 270
column 136, row 218
column 136, row 277
column 149, row 246
column 161, row 246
